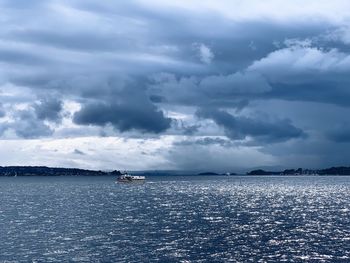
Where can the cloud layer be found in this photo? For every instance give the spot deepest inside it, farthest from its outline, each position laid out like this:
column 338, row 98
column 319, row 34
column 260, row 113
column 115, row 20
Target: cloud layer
column 212, row 78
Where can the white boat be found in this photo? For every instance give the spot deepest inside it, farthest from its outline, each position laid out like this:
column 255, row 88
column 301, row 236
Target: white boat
column 127, row 178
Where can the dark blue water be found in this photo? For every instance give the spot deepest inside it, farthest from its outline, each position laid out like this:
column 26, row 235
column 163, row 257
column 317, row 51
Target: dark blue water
column 175, row 219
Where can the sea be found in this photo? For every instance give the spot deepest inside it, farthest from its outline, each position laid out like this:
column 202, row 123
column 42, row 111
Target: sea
column 175, row 219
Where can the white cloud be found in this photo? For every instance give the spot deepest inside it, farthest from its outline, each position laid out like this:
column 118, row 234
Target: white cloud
column 301, row 60
column 340, row 34
column 335, row 11
column 106, row 153
column 205, row 54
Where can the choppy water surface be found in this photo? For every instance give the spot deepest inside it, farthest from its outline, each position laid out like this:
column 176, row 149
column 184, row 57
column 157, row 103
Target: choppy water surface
column 175, row 219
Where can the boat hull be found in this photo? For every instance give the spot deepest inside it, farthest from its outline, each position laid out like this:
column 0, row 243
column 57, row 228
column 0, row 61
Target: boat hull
column 131, row 179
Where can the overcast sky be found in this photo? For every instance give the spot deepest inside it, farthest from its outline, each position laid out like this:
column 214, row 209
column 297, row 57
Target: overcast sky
column 224, row 85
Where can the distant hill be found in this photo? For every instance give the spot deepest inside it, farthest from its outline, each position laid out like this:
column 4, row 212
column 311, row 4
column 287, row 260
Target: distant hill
column 262, row 172
column 49, row 171
column 208, row 173
column 342, row 170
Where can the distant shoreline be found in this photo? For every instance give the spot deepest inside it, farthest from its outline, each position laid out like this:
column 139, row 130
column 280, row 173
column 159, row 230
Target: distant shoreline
column 340, row 170
column 51, row 171
column 11, row 171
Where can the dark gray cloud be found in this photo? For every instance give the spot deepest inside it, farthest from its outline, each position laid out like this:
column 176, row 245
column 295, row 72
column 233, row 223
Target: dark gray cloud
column 213, row 90
column 125, row 106
column 340, row 133
column 185, row 128
column 191, row 129
column 49, row 109
column 123, row 117
column 26, row 125
column 238, row 128
column 208, row 141
column 2, row 111
column 21, row 57
column 85, row 42
column 29, row 123
column 76, row 151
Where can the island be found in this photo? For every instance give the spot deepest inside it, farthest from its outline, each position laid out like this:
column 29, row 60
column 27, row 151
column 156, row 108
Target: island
column 341, row 170
column 51, row 171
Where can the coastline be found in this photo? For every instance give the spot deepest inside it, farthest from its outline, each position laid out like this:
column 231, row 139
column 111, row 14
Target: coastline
column 12, row 171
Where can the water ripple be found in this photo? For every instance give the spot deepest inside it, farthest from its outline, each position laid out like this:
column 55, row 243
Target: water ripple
column 169, row 219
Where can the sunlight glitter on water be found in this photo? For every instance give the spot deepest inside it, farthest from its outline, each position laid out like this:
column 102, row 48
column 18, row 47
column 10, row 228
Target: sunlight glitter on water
column 194, row 219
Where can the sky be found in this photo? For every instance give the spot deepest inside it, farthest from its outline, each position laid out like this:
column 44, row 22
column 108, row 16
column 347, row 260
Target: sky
column 175, row 85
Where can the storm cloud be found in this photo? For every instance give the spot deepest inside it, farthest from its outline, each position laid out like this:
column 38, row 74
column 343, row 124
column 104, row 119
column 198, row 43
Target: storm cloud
column 49, row 109
column 245, row 79
column 238, row 128
column 124, row 117
column 27, row 125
